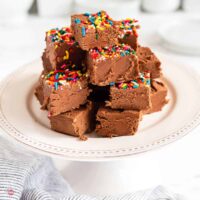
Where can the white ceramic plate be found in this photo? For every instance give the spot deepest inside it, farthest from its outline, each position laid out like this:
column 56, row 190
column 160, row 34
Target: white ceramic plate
column 182, row 36
column 21, row 117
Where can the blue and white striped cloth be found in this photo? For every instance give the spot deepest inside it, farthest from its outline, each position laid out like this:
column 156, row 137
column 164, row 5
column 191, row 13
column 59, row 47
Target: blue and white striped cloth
column 25, row 175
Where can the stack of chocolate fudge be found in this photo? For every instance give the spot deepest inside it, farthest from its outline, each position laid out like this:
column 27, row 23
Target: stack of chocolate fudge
column 96, row 77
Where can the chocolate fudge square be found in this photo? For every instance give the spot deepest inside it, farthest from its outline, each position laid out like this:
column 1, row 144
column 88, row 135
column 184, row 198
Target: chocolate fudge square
column 62, row 50
column 131, row 95
column 111, row 123
column 76, row 122
column 127, row 30
column 112, row 64
column 158, row 96
column 94, row 30
column 64, row 91
column 148, row 62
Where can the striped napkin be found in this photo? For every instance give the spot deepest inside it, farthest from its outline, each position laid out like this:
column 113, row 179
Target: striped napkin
column 25, row 175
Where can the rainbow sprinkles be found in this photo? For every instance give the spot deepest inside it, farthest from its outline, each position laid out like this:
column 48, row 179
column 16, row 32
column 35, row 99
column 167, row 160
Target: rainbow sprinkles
column 98, row 20
column 143, row 79
column 127, row 27
column 111, row 52
column 62, row 77
column 61, row 35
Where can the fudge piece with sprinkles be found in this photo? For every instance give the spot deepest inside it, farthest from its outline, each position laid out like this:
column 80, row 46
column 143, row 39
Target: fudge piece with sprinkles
column 131, row 95
column 64, row 90
column 127, row 30
column 94, row 30
column 62, row 49
column 148, row 62
column 112, row 123
column 112, row 64
column 158, row 96
column 76, row 122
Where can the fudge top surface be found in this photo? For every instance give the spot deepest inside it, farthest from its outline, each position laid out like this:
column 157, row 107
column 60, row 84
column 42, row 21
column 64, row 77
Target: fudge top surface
column 59, row 78
column 111, row 52
column 63, row 34
column 142, row 80
column 127, row 26
column 99, row 20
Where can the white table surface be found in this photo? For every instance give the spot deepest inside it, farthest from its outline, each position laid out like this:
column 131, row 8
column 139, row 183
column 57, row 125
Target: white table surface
column 177, row 163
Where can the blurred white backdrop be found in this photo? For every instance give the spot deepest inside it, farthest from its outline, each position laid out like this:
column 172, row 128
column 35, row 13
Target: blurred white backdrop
column 116, row 8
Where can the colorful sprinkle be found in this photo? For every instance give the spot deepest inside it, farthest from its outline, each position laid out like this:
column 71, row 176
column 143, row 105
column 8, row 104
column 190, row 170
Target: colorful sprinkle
column 127, row 27
column 58, row 78
column 58, row 36
column 66, row 57
column 144, row 79
column 77, row 21
column 63, row 66
column 110, row 52
column 112, row 83
column 83, row 31
column 87, row 14
column 56, row 85
column 98, row 20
